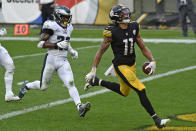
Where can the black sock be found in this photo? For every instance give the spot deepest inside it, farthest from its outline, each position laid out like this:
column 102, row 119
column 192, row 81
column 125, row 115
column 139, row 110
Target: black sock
column 112, row 86
column 145, row 102
column 155, row 117
column 27, row 88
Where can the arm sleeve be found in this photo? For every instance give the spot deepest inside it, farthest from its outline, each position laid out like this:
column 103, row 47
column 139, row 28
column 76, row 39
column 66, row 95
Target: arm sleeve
column 48, row 28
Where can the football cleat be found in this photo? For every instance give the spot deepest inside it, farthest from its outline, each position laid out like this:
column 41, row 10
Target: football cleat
column 11, row 97
column 84, row 108
column 23, row 90
column 160, row 123
column 93, row 82
column 87, row 86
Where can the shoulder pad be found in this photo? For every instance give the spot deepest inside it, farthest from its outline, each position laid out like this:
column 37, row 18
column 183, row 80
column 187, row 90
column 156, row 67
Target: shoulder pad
column 135, row 24
column 107, row 31
column 70, row 28
column 49, row 25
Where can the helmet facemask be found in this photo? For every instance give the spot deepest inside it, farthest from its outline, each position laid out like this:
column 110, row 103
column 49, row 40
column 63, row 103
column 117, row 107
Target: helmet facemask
column 125, row 15
column 65, row 19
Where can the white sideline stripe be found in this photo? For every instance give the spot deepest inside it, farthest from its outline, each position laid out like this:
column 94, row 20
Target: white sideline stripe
column 59, row 102
column 38, row 54
column 23, row 56
column 181, row 41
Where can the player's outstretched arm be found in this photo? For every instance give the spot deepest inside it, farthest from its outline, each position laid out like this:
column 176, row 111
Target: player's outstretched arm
column 104, row 46
column 147, row 53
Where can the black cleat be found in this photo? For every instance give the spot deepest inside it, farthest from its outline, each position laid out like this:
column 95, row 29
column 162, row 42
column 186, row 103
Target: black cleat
column 93, row 82
column 84, row 108
column 23, row 90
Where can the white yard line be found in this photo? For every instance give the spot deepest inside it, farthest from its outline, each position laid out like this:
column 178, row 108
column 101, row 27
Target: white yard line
column 38, row 54
column 150, row 40
column 59, row 102
column 23, row 56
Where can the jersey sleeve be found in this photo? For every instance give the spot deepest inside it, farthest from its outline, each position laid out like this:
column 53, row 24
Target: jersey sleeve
column 107, row 31
column 48, row 27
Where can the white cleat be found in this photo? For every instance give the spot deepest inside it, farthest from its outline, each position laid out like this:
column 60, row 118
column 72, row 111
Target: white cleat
column 164, row 122
column 160, row 123
column 11, row 98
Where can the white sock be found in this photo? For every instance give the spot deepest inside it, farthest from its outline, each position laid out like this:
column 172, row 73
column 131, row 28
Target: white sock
column 78, row 105
column 8, row 78
column 35, row 85
column 73, row 92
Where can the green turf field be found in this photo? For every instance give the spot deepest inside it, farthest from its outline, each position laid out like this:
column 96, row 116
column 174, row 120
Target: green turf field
column 172, row 95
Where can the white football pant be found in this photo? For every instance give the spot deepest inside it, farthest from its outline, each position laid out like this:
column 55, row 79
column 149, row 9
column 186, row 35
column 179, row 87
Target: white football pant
column 61, row 65
column 7, row 62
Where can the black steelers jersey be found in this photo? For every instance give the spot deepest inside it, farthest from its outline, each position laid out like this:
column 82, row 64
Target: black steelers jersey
column 122, row 44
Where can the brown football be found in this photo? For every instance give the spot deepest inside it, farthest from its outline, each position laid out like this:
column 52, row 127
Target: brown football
column 146, row 71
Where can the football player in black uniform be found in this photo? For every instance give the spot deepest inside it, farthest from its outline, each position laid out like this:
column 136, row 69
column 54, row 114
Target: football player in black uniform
column 122, row 36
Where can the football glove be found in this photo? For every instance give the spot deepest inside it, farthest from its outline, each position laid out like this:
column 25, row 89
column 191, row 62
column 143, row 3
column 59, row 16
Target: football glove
column 152, row 66
column 40, row 44
column 3, row 31
column 63, row 44
column 74, row 54
column 91, row 74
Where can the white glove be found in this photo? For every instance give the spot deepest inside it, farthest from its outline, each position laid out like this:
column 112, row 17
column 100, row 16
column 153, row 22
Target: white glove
column 3, row 31
column 152, row 66
column 91, row 74
column 63, row 44
column 74, row 54
column 40, row 44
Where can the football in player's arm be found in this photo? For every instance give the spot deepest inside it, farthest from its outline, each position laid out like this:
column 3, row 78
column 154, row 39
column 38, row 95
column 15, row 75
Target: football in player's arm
column 122, row 36
column 55, row 38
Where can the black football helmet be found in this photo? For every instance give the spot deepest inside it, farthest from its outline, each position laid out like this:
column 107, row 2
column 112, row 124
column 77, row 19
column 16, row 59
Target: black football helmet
column 120, row 14
column 62, row 15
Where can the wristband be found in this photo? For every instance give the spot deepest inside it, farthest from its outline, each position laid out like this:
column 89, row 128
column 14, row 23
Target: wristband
column 93, row 69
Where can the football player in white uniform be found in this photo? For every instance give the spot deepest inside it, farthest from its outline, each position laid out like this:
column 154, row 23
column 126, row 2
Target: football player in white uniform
column 7, row 62
column 55, row 38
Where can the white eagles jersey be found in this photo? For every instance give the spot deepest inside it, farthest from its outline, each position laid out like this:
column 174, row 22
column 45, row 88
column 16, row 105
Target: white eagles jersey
column 3, row 50
column 59, row 34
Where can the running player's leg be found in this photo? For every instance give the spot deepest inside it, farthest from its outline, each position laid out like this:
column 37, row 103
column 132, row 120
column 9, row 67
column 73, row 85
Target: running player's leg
column 66, row 75
column 46, row 74
column 128, row 75
column 7, row 62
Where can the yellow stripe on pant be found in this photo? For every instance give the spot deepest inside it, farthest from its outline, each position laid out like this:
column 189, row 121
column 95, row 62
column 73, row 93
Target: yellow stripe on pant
column 128, row 74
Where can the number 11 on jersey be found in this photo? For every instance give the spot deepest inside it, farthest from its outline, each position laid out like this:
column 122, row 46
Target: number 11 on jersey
column 127, row 42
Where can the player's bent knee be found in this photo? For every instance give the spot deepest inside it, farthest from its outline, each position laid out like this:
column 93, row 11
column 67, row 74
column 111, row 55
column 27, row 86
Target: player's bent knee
column 10, row 68
column 69, row 83
column 9, row 72
column 124, row 91
column 43, row 87
column 125, row 94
